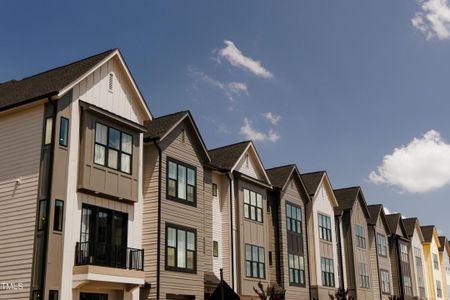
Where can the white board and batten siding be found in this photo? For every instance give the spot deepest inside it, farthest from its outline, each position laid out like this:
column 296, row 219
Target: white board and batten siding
column 21, row 133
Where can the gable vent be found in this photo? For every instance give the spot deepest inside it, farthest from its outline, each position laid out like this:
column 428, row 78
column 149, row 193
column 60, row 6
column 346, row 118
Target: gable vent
column 110, row 83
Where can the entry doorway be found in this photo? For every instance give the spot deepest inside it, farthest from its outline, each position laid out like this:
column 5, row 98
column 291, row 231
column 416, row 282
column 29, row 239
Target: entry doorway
column 93, row 296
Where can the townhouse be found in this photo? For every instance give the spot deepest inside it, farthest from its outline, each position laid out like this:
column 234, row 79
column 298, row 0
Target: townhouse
column 322, row 235
column 70, row 204
column 288, row 245
column 379, row 253
column 414, row 233
column 355, row 249
column 431, row 247
column 444, row 251
column 243, row 230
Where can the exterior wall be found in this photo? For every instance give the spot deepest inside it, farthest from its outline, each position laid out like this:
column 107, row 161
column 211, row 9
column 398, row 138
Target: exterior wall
column 395, row 267
column 321, row 203
column 446, row 268
column 419, row 272
column 274, row 267
column 19, row 177
column 443, row 264
column 432, row 274
column 292, row 195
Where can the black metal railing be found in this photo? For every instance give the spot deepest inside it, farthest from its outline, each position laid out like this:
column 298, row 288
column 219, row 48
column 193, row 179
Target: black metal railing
column 107, row 255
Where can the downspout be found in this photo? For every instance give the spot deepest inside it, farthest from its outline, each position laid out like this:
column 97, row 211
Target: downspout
column 278, row 240
column 307, row 252
column 378, row 262
column 340, row 253
column 49, row 196
column 158, row 259
column 231, row 230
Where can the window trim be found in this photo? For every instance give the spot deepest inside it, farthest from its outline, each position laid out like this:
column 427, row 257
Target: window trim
column 389, row 281
column 215, row 249
column 290, row 231
column 361, row 241
column 300, row 284
column 214, row 190
column 254, row 261
column 250, row 205
column 175, row 198
column 119, row 151
column 66, row 144
column 329, row 231
column 185, row 229
column 364, row 277
column 322, row 272
column 379, row 252
column 55, row 228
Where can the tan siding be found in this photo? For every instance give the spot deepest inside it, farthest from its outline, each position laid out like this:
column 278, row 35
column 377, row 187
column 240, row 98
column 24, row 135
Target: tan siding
column 20, row 134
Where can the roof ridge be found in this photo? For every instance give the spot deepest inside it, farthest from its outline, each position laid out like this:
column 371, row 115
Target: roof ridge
column 66, row 65
column 348, row 188
column 280, row 167
column 314, row 172
column 230, row 145
column 172, row 114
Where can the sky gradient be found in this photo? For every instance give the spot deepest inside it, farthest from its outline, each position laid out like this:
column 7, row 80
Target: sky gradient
column 328, row 85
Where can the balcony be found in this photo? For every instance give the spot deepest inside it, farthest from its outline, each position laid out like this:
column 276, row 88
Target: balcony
column 106, row 255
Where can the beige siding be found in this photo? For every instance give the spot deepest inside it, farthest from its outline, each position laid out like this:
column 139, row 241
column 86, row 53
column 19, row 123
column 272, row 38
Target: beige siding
column 20, row 133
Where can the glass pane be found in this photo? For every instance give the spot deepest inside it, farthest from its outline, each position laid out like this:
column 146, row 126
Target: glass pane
column 125, row 163
column 63, row 131
column 296, row 263
column 190, row 260
column 252, row 198
column 255, row 269
column 299, row 214
column 172, row 188
column 246, row 207
column 246, row 196
column 171, row 237
column 191, row 241
column 99, row 154
column 181, row 182
column 48, row 130
column 261, row 271
column 259, row 214
column 114, row 138
column 85, row 224
column 252, row 213
column 181, row 249
column 299, row 227
column 248, row 252
column 58, row 219
column 171, row 257
column 127, row 143
column 113, row 158
column 42, row 214
column 190, row 193
column 261, row 255
column 248, row 269
column 291, row 261
column 172, row 170
column 255, row 253
column 259, row 200
column 190, row 176
column 288, row 211
column 101, row 133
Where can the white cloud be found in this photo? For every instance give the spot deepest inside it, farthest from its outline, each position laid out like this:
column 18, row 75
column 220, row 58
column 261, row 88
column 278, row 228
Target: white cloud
column 273, row 118
column 250, row 133
column 433, row 19
column 235, row 57
column 227, row 88
column 421, row 166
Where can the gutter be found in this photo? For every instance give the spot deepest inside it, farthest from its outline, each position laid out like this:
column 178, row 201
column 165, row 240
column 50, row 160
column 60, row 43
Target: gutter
column 378, row 262
column 278, row 240
column 231, row 227
column 307, row 250
column 28, row 101
column 341, row 254
column 158, row 250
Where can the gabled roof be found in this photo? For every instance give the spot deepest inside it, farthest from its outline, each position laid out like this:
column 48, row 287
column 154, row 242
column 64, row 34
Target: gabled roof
column 57, row 81
column 279, row 177
column 428, row 233
column 374, row 211
column 159, row 128
column 443, row 242
column 347, row 197
column 312, row 181
column 395, row 220
column 226, row 158
column 410, row 225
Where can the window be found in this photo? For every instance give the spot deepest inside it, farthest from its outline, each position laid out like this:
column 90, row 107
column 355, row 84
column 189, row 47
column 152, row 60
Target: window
column 254, row 261
column 363, row 276
column 270, row 258
column 181, row 181
column 419, row 266
column 360, row 237
column 327, row 271
column 294, row 218
column 64, row 132
column 435, row 261
column 215, row 248
column 53, row 295
column 113, row 148
column 404, row 253
column 214, row 190
column 48, row 131
column 42, row 220
column 110, row 82
column 438, row 289
column 296, row 270
column 407, row 285
column 382, row 244
column 325, row 228
column 180, row 249
column 58, row 217
column 385, row 282
column 253, row 206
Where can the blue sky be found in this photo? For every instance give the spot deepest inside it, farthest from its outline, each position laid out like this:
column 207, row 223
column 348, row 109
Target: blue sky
column 350, row 80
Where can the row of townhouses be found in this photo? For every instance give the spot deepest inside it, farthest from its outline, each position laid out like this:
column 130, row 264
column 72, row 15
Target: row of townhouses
column 101, row 200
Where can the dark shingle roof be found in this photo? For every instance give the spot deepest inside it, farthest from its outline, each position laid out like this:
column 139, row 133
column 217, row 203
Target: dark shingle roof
column 443, row 242
column 226, row 157
column 280, row 175
column 15, row 92
column 374, row 211
column 427, row 232
column 158, row 127
column 392, row 221
column 312, row 180
column 346, row 197
column 410, row 225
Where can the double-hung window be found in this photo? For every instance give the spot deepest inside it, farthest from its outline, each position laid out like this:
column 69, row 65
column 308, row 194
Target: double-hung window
column 360, row 237
column 404, row 253
column 294, row 218
column 327, row 268
column 296, row 270
column 364, row 276
column 255, row 261
column 324, row 227
column 435, row 261
column 180, row 249
column 113, row 148
column 438, row 289
column 253, row 206
column 181, row 181
column 382, row 245
column 407, row 285
column 385, row 282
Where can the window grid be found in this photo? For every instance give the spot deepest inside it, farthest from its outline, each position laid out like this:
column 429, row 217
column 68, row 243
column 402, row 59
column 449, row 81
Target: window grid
column 181, row 182
column 364, row 276
column 294, row 218
column 327, row 268
column 324, row 227
column 181, row 249
column 385, row 282
column 255, row 261
column 382, row 245
column 360, row 237
column 296, row 270
column 404, row 253
column 407, row 285
column 435, row 261
column 253, row 206
column 438, row 289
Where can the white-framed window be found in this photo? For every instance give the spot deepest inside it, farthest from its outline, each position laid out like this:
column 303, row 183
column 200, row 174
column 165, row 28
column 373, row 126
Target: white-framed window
column 327, row 267
column 293, row 218
column 364, row 276
column 435, row 261
column 324, row 227
column 404, row 253
column 407, row 285
column 253, row 206
column 385, row 282
column 296, row 270
column 360, row 237
column 382, row 245
column 255, row 261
